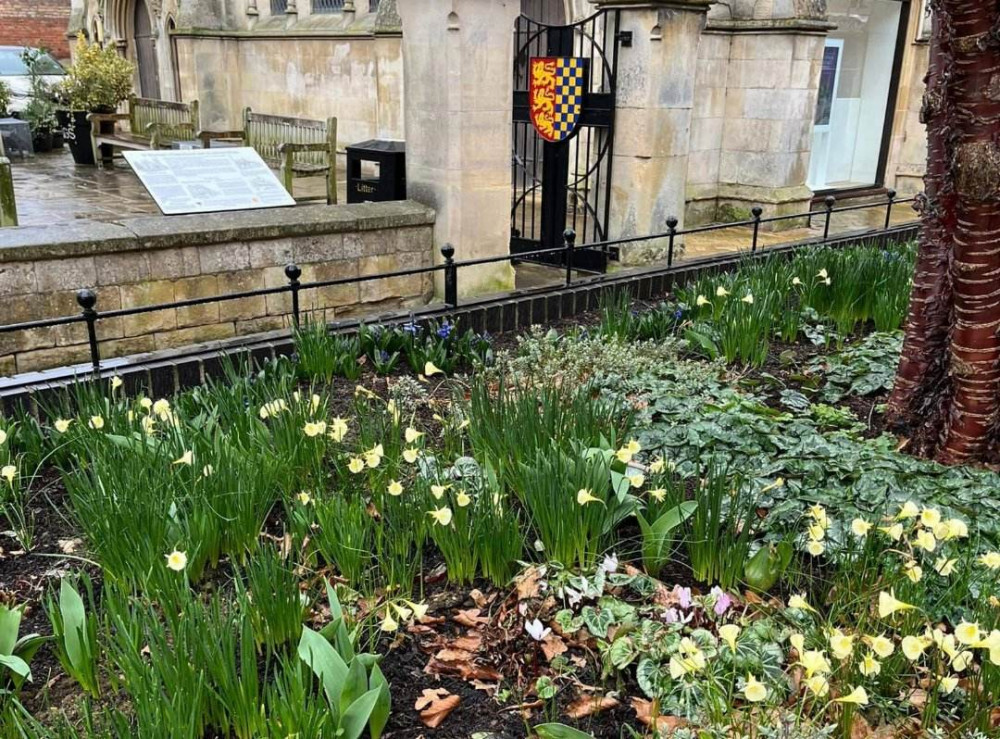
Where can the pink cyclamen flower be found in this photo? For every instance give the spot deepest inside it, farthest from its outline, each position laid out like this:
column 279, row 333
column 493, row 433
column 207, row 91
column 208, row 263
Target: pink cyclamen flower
column 722, row 600
column 683, row 596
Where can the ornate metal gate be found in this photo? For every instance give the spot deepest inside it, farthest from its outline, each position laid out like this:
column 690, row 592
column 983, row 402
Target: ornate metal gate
column 566, row 184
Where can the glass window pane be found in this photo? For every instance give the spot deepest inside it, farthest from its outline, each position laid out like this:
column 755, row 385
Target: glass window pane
column 853, row 93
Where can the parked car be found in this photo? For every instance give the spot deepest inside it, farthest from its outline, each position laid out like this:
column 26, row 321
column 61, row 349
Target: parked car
column 14, row 71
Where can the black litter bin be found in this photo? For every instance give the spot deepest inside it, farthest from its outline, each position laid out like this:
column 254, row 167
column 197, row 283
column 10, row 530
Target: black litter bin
column 389, row 183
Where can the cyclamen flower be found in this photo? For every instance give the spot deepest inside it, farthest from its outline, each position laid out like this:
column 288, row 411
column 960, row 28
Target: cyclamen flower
column 722, row 601
column 536, row 629
column 683, row 596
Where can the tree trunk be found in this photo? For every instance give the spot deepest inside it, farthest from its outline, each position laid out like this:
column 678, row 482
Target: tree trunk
column 947, row 392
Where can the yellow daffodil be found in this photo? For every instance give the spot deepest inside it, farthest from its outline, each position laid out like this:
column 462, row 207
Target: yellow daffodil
column 799, row 642
column 913, row 647
column 462, row 499
column 658, row 494
column 947, row 684
column 822, row 274
column 930, row 517
column 909, row 509
column 818, row 514
column 361, row 390
column 207, row 471
column 130, row 416
column 161, row 407
column 961, row 661
column 748, row 299
column 389, row 624
column 815, row 548
column 841, row 644
column 410, row 455
column 430, row 370
column 869, row 666
column 888, row 605
column 894, row 532
column 3, row 436
column 268, row 410
column 356, row 465
column 816, row 532
column 116, row 382
column 754, row 691
column 721, row 292
column 799, row 601
column 438, row 491
column 945, row 566
column 372, row 460
column 858, row 697
column 187, row 458
column 657, row 465
column 584, row 496
column 441, row 516
column 315, row 402
column 728, row 634
column 393, row 411
column 818, row 685
column 990, row 560
column 633, row 446
column 403, row 612
column 419, row 609
column 913, row 571
column 395, row 488
column 411, row 435
column 796, row 281
column 314, row 429
column 881, row 645
column 957, row 529
column 925, row 540
column 148, row 425
column 778, row 483
column 860, row 527
column 8, row 473
column 62, row 425
column 304, row 498
column 701, row 300
column 636, row 480
column 338, row 429
column 176, row 560
column 145, row 403
column 96, row 422
column 968, row 633
column 814, row 662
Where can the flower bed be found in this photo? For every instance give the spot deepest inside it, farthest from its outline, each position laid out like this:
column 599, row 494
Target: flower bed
column 680, row 519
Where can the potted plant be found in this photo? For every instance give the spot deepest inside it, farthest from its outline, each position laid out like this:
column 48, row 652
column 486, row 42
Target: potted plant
column 40, row 112
column 97, row 81
column 5, row 98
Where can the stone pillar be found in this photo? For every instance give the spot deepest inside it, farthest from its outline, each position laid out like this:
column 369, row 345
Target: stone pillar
column 655, row 97
column 772, row 78
column 8, row 208
column 458, row 59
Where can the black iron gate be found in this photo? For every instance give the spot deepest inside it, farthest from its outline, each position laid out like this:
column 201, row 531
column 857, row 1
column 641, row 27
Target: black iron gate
column 566, row 184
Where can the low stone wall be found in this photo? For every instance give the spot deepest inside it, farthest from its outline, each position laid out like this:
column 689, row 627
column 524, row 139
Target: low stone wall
column 161, row 259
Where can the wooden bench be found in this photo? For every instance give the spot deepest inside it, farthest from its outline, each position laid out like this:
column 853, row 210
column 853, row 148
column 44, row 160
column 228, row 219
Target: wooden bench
column 297, row 147
column 153, row 124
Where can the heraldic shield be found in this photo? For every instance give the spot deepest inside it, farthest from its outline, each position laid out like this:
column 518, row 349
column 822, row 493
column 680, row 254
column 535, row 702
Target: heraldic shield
column 555, row 95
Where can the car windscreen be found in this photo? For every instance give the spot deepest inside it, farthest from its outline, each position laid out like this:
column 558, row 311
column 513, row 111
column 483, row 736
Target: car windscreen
column 12, row 63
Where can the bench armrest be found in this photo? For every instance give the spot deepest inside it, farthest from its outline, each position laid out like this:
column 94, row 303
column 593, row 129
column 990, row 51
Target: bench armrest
column 286, row 148
column 98, row 117
column 155, row 131
column 208, row 136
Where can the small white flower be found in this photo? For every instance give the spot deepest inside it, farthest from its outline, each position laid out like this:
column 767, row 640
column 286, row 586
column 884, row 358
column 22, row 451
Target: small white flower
column 536, row 629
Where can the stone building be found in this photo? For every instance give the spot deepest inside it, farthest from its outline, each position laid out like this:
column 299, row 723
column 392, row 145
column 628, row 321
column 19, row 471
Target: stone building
column 721, row 105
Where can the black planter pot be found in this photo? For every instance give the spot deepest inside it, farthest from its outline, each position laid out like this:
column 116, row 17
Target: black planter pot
column 42, row 140
column 76, row 133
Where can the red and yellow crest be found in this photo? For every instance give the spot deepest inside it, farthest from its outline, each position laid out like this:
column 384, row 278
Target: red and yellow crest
column 555, row 95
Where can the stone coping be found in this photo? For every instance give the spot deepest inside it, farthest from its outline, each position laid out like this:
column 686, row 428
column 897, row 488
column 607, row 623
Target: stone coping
column 31, row 243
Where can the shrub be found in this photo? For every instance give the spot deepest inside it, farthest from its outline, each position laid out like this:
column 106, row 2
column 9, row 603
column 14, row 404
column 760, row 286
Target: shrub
column 98, row 78
column 5, row 99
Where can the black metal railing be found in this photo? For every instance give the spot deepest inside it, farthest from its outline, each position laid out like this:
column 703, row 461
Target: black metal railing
column 90, row 315
column 327, row 6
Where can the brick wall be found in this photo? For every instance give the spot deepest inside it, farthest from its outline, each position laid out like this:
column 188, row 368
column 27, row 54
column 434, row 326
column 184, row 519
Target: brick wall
column 39, row 23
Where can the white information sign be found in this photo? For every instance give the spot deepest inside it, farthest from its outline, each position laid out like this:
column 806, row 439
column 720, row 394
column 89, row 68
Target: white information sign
column 208, row 180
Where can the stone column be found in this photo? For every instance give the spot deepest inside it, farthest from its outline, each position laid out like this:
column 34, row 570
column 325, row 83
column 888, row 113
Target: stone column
column 655, row 97
column 772, row 78
column 458, row 68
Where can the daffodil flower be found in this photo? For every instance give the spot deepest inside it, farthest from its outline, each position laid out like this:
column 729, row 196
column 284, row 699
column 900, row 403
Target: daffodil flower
column 462, row 499
column 748, row 299
column 778, row 483
column 389, row 624
column 145, row 403
column 908, row 510
column 799, row 642
column 729, row 633
column 841, row 644
column 304, row 498
column 96, row 422
column 913, row 571
column 721, row 292
column 636, row 480
column 817, row 532
column 822, row 274
column 968, row 633
column 438, row 491
column 624, row 455
column 947, row 684
column 657, row 465
column 894, row 532
column 161, row 407
column 658, row 494
column 9, row 472
column 799, row 601
column 207, row 471
column 930, row 517
column 858, row 697
column 913, row 647
column 315, row 402
column 814, row 662
column 356, row 465
column 815, row 548
column 61, row 424
column 881, row 645
column 338, row 429
column 430, row 369
column 869, row 667
column 116, row 382
column 944, row 566
column 701, row 300
column 403, row 612
column 313, row 429
column 888, row 605
column 177, row 560
column 860, row 527
column 395, row 488
column 185, row 459
column 393, row 411
column 990, row 560
column 818, row 685
column 419, row 609
column 411, row 435
column 441, row 516
column 796, row 281
column 584, row 496
column 754, row 691
column 148, row 425
column 3, row 436
column 410, row 455
column 925, row 540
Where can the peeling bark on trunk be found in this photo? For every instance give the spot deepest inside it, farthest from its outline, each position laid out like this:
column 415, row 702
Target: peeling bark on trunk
column 947, row 393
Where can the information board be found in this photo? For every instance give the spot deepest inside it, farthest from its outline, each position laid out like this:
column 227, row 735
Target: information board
column 208, row 180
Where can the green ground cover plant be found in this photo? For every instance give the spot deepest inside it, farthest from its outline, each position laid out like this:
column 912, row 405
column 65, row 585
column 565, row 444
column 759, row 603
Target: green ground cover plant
column 611, row 530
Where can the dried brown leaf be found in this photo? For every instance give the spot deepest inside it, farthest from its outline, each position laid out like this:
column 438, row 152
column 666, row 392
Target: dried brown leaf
column 529, row 584
column 664, row 724
column 553, row 646
column 434, row 706
column 588, row 705
column 470, row 618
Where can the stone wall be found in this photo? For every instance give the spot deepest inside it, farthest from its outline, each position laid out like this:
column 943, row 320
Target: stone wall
column 908, row 154
column 154, row 260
